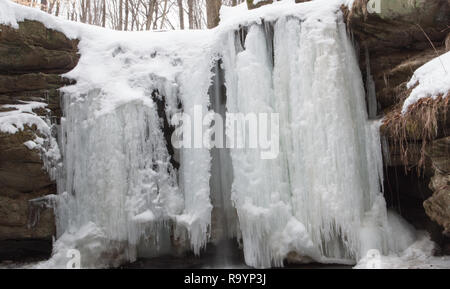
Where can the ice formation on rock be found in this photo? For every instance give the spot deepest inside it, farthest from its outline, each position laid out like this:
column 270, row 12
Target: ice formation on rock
column 121, row 186
column 322, row 197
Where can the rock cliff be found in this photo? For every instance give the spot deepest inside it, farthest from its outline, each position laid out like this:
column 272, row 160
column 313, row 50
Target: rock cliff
column 31, row 61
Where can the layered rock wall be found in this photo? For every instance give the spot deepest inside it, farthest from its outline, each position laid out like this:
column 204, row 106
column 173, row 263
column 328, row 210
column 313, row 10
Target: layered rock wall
column 32, row 58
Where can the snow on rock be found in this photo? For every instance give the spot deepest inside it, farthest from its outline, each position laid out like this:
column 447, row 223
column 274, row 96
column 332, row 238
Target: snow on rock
column 30, row 144
column 145, row 217
column 430, row 80
column 22, row 115
column 83, row 248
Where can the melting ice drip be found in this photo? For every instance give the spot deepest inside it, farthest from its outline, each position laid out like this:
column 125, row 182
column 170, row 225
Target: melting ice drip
column 319, row 200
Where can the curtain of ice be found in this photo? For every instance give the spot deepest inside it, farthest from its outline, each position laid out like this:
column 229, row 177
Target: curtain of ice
column 118, row 190
column 321, row 198
column 117, row 174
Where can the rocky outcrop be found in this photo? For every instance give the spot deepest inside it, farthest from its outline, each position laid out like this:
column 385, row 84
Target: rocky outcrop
column 394, row 39
column 32, row 58
column 398, row 39
column 447, row 42
column 438, row 206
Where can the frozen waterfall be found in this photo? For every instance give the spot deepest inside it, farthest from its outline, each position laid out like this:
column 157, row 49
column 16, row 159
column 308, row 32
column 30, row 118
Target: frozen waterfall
column 125, row 191
column 321, row 198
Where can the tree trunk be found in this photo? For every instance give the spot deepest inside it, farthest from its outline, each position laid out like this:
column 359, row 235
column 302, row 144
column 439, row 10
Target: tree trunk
column 150, row 11
column 191, row 13
column 181, row 13
column 73, row 15
column 127, row 11
column 83, row 16
column 120, row 14
column 57, row 8
column 88, row 10
column 164, row 15
column 104, row 13
column 44, row 5
column 51, row 6
column 213, row 12
column 155, row 21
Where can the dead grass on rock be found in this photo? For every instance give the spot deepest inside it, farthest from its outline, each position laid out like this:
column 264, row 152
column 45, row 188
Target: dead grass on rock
column 424, row 121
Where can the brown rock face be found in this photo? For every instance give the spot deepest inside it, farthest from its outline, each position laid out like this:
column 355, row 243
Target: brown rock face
column 34, row 48
column 447, row 43
column 438, row 206
column 31, row 59
column 399, row 39
column 17, row 161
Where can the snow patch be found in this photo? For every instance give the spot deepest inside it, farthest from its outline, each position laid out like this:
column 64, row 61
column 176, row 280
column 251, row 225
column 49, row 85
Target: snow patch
column 419, row 255
column 431, row 80
column 145, row 217
column 22, row 115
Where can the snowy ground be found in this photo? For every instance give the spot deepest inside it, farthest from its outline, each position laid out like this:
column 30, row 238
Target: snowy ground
column 418, row 256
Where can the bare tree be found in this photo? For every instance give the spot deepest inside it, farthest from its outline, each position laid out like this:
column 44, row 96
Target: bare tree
column 213, row 12
column 191, row 13
column 181, row 13
column 130, row 15
column 155, row 17
column 127, row 12
column 58, row 6
column 103, row 13
column 164, row 14
column 89, row 12
column 120, row 15
column 44, row 5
